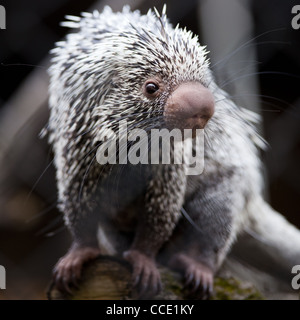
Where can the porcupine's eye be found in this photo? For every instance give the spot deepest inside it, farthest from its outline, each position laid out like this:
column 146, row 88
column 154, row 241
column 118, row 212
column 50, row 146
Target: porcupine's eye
column 151, row 89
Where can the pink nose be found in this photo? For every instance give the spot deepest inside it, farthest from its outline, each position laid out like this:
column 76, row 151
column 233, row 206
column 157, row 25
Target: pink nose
column 190, row 106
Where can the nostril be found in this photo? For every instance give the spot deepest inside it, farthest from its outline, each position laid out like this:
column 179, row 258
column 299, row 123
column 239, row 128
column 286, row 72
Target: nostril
column 201, row 116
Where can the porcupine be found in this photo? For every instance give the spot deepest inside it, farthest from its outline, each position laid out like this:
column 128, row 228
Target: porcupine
column 138, row 68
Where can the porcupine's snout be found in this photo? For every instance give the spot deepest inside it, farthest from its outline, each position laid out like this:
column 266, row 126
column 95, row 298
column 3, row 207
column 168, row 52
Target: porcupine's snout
column 190, row 106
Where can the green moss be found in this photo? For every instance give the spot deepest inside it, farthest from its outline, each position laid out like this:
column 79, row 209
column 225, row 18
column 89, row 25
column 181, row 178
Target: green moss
column 232, row 289
column 225, row 288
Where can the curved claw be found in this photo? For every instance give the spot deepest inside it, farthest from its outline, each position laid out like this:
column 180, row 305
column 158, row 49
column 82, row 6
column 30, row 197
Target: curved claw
column 67, row 271
column 197, row 282
column 145, row 276
column 202, row 283
column 198, row 278
column 189, row 277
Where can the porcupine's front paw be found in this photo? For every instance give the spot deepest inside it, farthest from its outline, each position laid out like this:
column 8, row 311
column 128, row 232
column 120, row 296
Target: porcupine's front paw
column 198, row 278
column 145, row 275
column 67, row 271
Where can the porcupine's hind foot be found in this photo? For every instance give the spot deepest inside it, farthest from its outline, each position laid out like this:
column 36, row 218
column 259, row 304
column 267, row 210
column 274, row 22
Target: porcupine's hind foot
column 198, row 278
column 145, row 275
column 67, row 271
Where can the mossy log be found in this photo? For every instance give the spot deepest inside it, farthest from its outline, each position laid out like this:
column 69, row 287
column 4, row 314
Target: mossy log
column 108, row 278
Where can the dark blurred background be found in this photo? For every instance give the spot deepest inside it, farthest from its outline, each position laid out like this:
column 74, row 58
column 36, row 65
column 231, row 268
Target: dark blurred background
column 255, row 56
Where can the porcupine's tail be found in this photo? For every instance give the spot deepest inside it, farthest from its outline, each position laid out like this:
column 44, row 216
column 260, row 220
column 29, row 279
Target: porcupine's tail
column 269, row 246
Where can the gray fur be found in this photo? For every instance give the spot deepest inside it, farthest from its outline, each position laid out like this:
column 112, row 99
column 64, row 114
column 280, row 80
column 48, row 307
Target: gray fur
column 95, row 81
